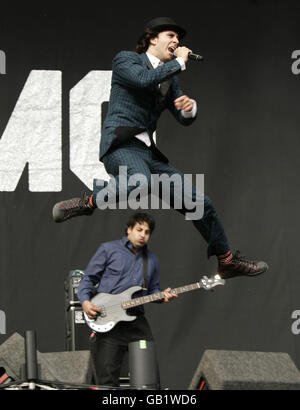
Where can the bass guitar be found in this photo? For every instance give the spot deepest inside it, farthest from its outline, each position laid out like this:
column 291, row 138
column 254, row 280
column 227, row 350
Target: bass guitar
column 113, row 307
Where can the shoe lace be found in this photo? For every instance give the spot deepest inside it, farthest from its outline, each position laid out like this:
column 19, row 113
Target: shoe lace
column 84, row 199
column 238, row 256
column 78, row 204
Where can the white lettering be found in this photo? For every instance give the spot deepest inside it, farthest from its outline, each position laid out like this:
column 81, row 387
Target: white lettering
column 295, row 66
column 33, row 135
column 138, row 189
column 119, row 400
column 85, row 126
column 2, row 62
column 2, row 323
column 296, row 325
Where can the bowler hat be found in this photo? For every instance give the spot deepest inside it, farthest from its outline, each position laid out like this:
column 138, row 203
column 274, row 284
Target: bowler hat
column 165, row 23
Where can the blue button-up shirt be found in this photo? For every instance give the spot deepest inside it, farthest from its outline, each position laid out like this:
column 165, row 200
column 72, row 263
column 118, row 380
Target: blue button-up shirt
column 115, row 268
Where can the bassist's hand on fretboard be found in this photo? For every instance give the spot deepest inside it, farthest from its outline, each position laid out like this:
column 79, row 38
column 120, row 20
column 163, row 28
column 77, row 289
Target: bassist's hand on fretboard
column 168, row 295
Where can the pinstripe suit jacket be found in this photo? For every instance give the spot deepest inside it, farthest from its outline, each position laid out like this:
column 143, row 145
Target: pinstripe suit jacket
column 136, row 102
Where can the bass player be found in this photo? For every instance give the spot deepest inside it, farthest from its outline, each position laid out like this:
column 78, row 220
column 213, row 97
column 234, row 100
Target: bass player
column 115, row 267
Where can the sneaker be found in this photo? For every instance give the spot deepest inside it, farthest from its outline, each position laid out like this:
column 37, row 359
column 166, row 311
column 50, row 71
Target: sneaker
column 240, row 266
column 72, row 207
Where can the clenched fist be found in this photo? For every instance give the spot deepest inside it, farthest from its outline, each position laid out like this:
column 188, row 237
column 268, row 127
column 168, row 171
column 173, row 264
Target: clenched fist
column 184, row 103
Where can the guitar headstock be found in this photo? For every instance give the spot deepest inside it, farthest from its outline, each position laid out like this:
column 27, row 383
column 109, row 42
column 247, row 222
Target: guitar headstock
column 213, row 281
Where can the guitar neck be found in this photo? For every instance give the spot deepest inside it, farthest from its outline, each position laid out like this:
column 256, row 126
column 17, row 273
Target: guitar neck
column 158, row 296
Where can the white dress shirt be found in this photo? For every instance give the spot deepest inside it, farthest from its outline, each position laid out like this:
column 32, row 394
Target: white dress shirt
column 144, row 136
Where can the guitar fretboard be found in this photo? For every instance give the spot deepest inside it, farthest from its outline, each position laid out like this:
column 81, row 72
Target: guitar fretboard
column 158, row 296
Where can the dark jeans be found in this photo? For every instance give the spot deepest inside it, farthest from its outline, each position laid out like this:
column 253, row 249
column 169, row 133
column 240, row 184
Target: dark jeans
column 139, row 159
column 108, row 349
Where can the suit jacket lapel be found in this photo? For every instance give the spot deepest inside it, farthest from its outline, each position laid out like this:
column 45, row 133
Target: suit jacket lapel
column 146, row 61
column 162, row 89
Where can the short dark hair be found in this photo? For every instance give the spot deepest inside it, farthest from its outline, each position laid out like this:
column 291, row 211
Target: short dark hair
column 144, row 41
column 140, row 217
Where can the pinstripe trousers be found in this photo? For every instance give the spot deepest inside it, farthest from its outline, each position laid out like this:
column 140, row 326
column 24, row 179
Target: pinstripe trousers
column 139, row 159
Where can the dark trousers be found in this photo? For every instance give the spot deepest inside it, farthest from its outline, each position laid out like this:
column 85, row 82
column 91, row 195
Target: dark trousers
column 139, row 159
column 108, row 349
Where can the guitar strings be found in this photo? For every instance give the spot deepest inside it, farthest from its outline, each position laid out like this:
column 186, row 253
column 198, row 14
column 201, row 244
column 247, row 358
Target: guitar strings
column 117, row 306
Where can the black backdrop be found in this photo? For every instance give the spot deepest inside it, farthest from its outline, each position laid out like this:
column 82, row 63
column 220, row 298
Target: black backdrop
column 245, row 141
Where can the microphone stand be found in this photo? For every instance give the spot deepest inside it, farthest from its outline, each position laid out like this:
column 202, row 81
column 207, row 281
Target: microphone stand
column 32, row 370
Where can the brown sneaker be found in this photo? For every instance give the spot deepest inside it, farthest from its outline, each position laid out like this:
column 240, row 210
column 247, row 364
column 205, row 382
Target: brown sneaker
column 240, row 266
column 72, row 207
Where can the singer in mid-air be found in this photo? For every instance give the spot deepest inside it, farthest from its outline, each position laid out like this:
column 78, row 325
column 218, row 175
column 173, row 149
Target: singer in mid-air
column 144, row 83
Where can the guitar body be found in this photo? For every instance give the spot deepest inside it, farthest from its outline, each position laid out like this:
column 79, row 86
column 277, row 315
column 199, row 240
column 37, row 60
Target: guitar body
column 111, row 311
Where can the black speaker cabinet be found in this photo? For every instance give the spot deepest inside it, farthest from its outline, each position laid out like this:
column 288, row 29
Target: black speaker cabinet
column 238, row 370
column 68, row 367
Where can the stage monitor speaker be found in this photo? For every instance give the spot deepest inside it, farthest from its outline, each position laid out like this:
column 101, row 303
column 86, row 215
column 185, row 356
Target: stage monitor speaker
column 240, row 370
column 67, row 367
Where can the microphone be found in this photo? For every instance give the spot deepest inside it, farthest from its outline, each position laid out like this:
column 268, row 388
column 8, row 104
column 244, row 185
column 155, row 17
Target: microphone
column 192, row 56
column 195, row 57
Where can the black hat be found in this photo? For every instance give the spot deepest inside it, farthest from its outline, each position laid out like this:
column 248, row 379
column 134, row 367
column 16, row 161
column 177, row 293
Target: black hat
column 165, row 23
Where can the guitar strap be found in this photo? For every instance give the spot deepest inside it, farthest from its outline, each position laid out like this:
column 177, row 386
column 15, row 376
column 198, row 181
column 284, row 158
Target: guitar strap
column 145, row 269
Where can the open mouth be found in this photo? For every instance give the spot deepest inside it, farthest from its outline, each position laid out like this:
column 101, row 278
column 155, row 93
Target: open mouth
column 171, row 49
